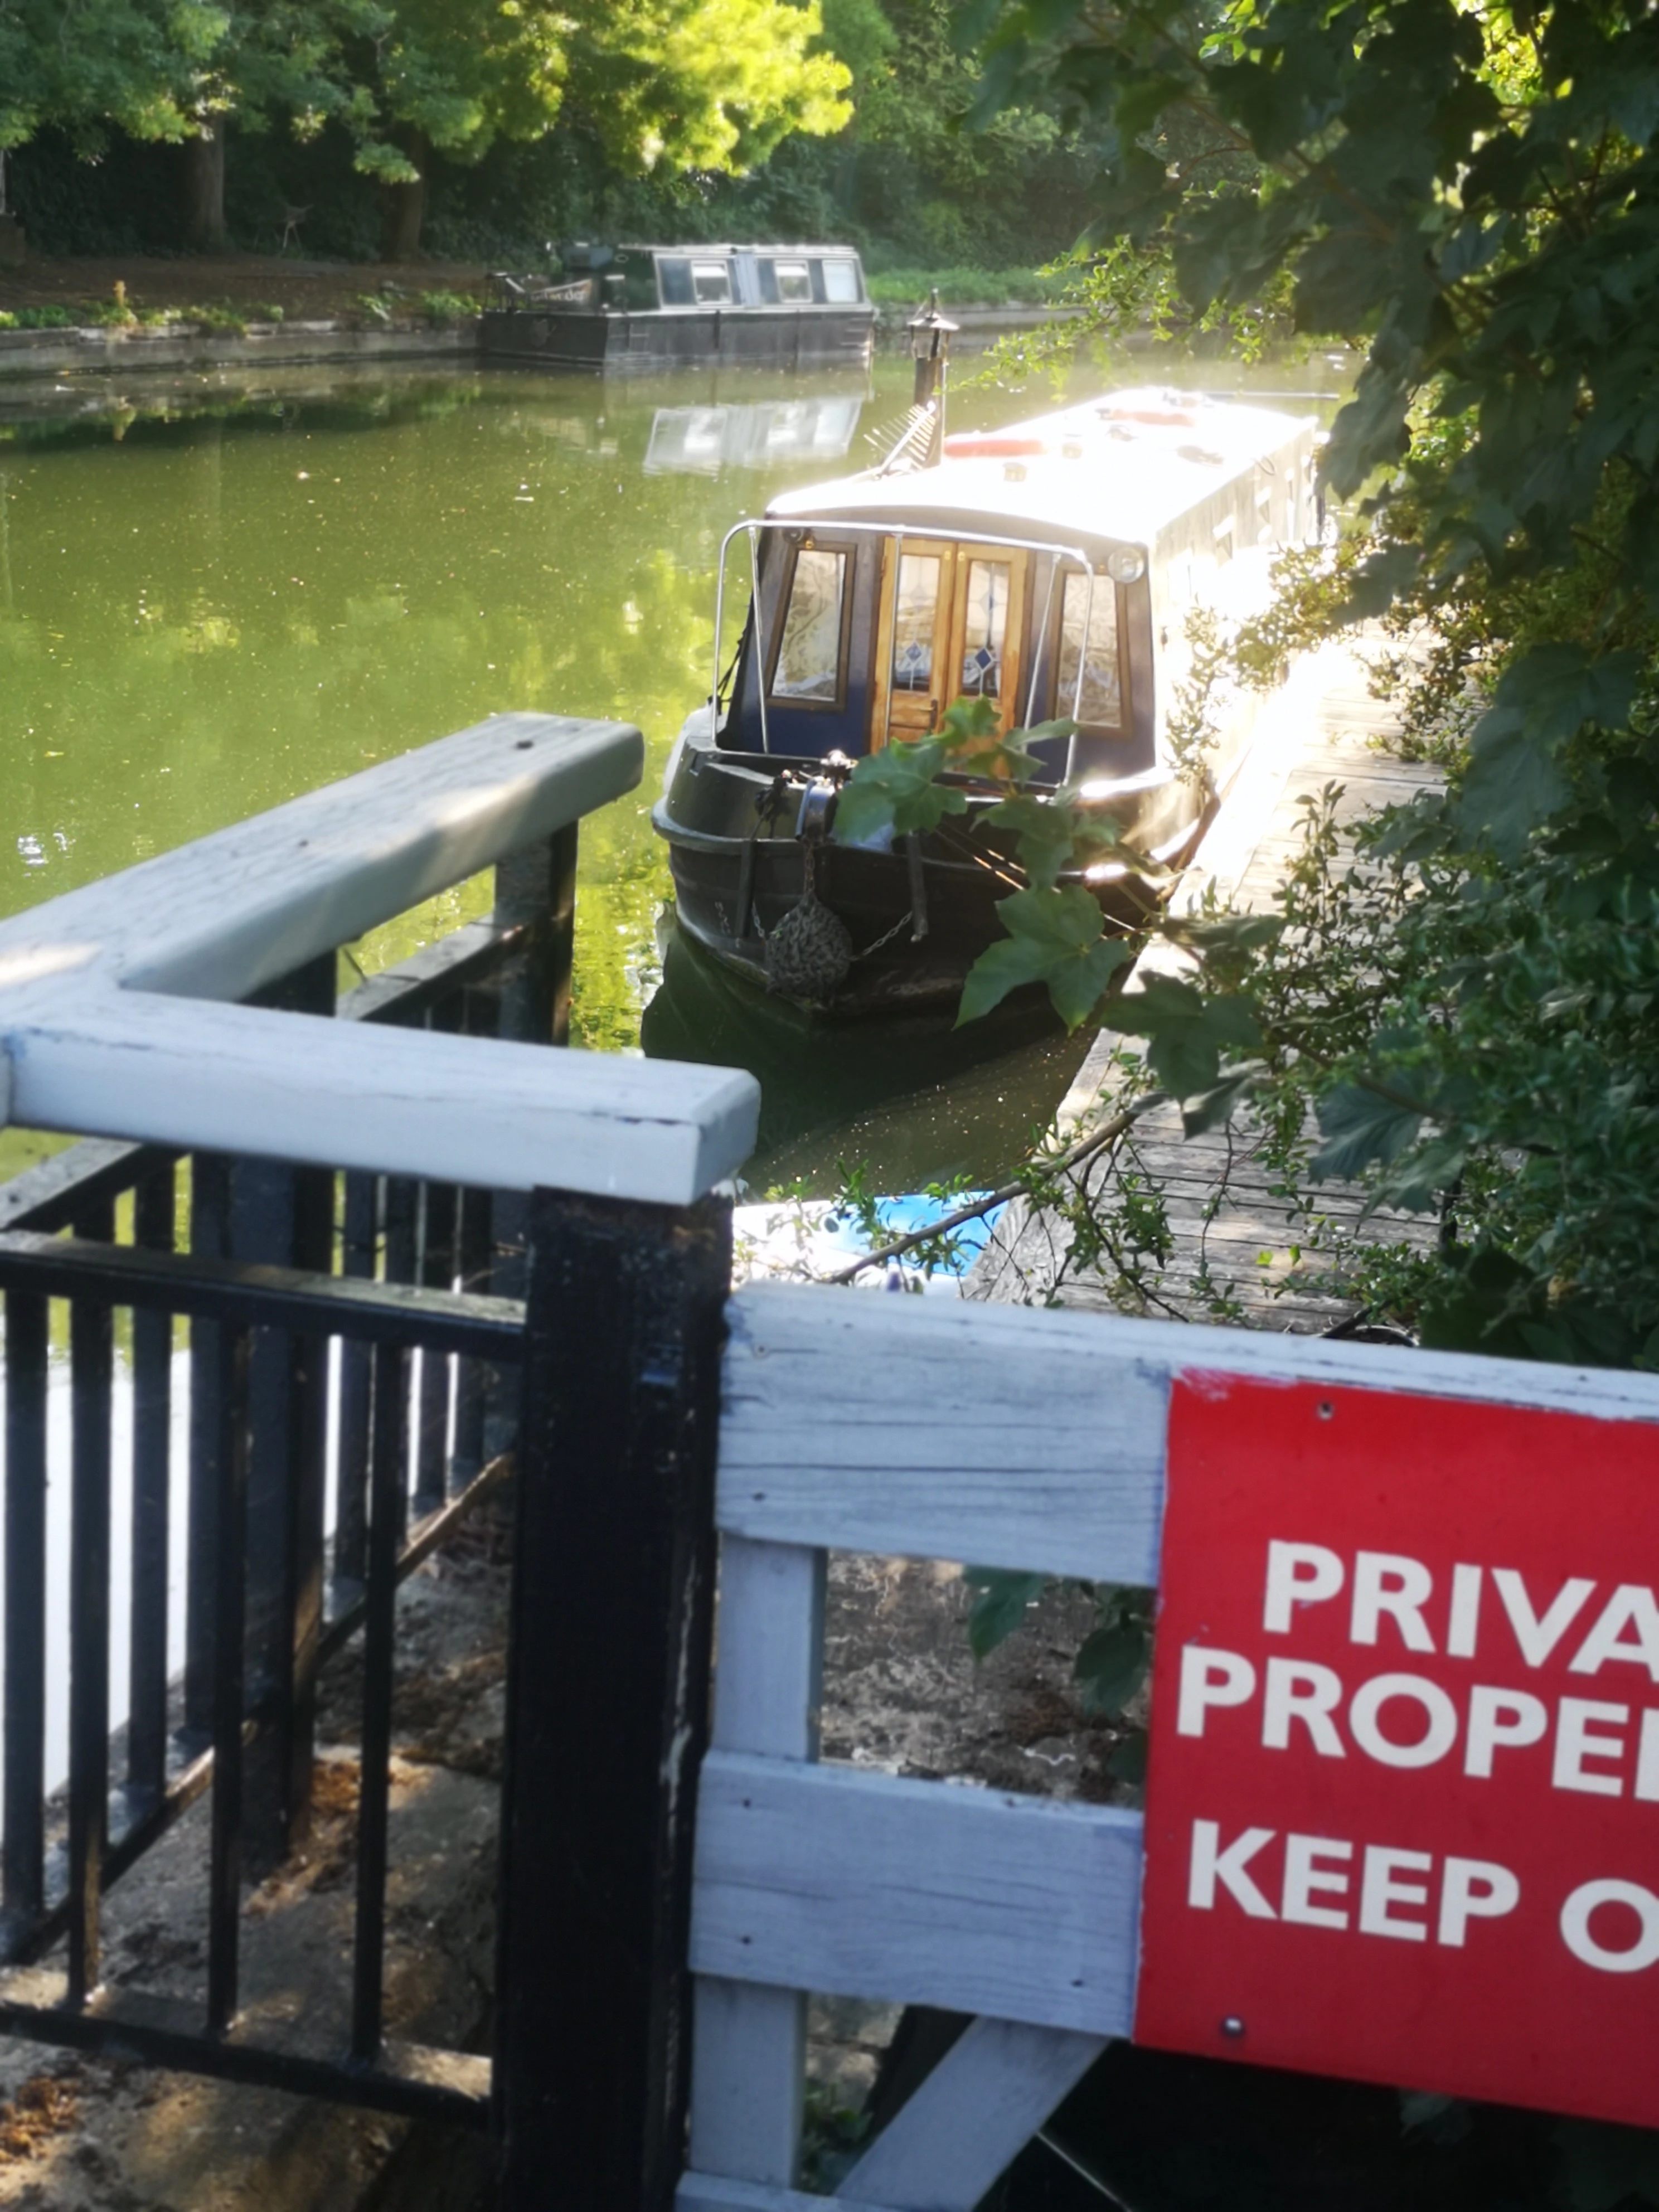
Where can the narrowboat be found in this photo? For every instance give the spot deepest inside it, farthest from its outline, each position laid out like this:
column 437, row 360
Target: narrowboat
column 630, row 307
column 1076, row 566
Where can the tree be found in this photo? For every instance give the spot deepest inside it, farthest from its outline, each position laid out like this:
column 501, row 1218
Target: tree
column 1468, row 193
column 669, row 84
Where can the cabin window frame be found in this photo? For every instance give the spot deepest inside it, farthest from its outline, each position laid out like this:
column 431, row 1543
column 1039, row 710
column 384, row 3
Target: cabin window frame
column 796, row 702
column 800, row 270
column 1054, row 650
column 842, row 262
column 709, row 269
column 673, row 277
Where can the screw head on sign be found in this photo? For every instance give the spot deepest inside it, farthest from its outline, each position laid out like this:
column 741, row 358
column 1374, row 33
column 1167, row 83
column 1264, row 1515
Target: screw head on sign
column 1326, row 1409
column 1232, row 2027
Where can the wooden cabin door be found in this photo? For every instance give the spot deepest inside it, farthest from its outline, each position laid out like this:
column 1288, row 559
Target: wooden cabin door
column 953, row 625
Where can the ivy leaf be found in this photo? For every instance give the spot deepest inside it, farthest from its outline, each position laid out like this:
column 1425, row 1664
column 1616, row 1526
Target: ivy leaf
column 1213, row 1109
column 1049, row 834
column 1112, row 1664
column 1127, row 1763
column 1004, row 1595
column 1187, row 1032
column 972, row 729
column 895, row 789
column 1515, row 779
column 1225, row 932
column 1359, row 1125
column 1414, row 1182
column 967, row 723
column 1056, row 937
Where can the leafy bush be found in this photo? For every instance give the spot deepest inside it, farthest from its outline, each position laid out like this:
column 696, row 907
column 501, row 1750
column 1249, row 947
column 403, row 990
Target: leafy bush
column 39, row 318
column 962, row 287
column 450, row 307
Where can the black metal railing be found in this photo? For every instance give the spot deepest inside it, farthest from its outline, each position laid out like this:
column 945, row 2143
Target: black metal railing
column 283, row 1270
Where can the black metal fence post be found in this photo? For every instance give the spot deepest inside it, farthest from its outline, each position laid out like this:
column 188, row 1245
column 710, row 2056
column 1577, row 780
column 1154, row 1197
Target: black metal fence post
column 607, row 1697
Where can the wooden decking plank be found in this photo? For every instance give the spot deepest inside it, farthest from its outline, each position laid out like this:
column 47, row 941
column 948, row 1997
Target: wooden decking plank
column 1219, row 1199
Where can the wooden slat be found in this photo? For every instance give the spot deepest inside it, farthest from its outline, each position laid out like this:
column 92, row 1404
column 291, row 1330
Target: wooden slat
column 107, row 1026
column 972, row 2116
column 831, row 1878
column 356, row 1095
column 963, row 1433
column 749, row 2045
column 219, row 917
column 1011, row 1438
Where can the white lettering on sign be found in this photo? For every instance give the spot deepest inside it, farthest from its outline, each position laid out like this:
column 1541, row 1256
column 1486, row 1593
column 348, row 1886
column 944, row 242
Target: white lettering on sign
column 1210, row 1678
column 1408, row 1720
column 1384, row 1583
column 1211, row 1865
column 1298, row 1690
column 1630, row 1605
column 1305, row 1875
column 1380, row 1891
column 1501, row 1720
column 1390, row 1588
column 1298, row 1574
column 1395, row 1886
column 1612, row 1959
column 1538, row 1638
column 1439, row 1719
column 1576, row 1741
column 1474, row 1889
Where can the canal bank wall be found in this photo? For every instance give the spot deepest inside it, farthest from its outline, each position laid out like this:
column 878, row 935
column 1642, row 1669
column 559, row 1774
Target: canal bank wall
column 40, row 355
column 42, row 358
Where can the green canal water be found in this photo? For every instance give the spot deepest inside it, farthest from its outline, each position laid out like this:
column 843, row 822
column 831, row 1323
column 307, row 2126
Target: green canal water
column 213, row 597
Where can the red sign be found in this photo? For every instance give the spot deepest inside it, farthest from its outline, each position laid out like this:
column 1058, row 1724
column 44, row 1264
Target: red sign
column 1403, row 1809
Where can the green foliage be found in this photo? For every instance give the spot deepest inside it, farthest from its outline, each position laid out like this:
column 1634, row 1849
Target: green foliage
column 1056, row 937
column 897, row 789
column 450, row 307
column 967, row 286
column 1112, row 1663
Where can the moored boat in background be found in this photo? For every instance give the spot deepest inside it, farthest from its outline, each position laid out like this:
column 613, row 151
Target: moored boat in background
column 624, row 308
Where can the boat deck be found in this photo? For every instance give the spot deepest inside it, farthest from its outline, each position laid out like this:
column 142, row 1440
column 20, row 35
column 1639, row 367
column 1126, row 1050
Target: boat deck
column 1231, row 1230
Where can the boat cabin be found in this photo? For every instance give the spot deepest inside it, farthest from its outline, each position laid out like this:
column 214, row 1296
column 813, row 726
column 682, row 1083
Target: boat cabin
column 1053, row 566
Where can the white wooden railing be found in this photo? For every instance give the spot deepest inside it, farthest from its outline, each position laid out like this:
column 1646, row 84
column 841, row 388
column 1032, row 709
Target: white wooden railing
column 116, row 1001
column 922, row 1430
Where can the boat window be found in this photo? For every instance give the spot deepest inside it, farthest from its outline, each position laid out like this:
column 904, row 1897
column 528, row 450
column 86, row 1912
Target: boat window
column 808, row 665
column 985, row 621
column 915, row 615
column 674, row 275
column 794, row 282
column 1088, row 632
column 711, row 281
column 841, row 281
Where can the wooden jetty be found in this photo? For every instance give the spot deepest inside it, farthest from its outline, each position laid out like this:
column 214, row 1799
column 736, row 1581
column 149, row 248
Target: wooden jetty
column 1234, row 1234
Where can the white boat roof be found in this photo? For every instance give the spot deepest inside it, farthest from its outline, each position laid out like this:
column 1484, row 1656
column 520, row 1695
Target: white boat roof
column 1119, row 468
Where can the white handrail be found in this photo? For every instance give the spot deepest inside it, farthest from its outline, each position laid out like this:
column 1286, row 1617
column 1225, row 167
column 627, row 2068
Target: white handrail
column 113, row 1021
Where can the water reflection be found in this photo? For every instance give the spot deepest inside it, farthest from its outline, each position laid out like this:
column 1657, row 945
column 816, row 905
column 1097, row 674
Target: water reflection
column 912, row 1098
column 217, row 592
column 753, row 434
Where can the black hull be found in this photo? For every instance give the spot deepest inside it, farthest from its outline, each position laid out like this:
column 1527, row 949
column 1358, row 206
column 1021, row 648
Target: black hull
column 917, row 923
column 674, row 337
